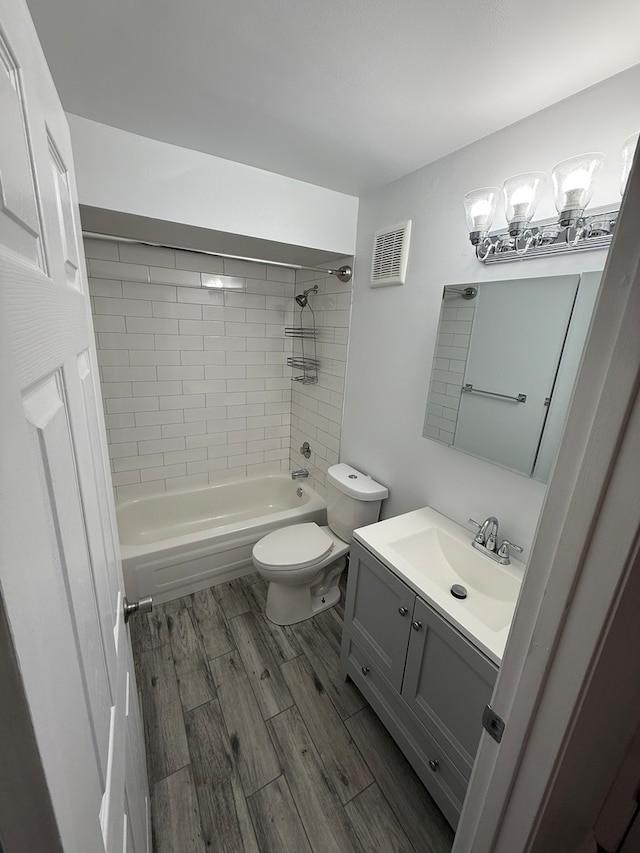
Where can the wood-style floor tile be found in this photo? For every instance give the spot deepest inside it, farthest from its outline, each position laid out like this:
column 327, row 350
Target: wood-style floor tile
column 323, row 817
column 267, row 682
column 421, row 819
column 165, row 736
column 279, row 638
column 209, row 744
column 148, row 630
column 224, row 780
column 276, row 820
column 251, row 746
column 226, row 825
column 176, row 604
column 175, row 813
column 209, row 620
column 376, row 826
column 340, row 756
column 231, row 598
column 319, row 639
column 192, row 671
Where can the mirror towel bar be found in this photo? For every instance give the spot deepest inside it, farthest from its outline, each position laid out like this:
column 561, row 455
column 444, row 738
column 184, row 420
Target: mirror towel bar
column 519, row 398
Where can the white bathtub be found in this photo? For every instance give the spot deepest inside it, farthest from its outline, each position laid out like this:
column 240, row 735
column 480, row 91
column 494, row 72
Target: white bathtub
column 177, row 543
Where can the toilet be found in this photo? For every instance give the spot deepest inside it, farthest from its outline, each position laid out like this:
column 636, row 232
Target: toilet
column 302, row 563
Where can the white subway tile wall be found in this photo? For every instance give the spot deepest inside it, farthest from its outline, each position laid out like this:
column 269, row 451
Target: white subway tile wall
column 316, row 410
column 192, row 356
column 447, row 375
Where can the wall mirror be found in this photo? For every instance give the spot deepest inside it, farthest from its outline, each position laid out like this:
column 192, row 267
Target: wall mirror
column 505, row 361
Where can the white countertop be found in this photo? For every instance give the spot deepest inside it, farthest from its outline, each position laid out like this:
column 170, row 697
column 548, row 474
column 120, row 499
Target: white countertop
column 483, row 618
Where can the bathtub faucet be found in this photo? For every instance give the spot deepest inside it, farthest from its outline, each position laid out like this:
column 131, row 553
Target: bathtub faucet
column 300, row 474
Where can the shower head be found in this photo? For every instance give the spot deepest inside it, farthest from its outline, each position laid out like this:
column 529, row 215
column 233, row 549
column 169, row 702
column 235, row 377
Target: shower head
column 303, row 298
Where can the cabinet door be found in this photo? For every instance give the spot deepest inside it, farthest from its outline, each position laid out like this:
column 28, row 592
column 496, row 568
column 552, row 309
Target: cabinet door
column 378, row 613
column 447, row 683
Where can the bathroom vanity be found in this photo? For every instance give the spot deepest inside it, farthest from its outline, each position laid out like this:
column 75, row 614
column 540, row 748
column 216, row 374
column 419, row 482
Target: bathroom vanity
column 426, row 661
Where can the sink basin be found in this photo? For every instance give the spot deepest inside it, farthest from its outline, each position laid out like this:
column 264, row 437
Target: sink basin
column 491, row 591
column 431, row 553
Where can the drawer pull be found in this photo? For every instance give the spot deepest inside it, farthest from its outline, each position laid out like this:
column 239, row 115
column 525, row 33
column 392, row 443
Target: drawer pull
column 365, row 670
column 416, row 626
column 402, row 611
column 434, row 764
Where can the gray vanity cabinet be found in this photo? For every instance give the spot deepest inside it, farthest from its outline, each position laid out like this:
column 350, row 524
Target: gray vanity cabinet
column 425, row 681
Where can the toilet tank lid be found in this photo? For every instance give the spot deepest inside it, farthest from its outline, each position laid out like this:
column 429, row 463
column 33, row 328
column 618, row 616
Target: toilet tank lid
column 355, row 483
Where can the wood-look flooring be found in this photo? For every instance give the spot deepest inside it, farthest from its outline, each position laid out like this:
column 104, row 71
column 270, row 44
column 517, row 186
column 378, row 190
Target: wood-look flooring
column 255, row 743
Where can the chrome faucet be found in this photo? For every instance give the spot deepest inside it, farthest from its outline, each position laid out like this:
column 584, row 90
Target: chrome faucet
column 486, row 541
column 300, row 474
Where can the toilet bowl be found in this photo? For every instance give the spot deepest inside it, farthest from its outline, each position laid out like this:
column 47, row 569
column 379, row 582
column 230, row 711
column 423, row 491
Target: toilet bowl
column 303, row 562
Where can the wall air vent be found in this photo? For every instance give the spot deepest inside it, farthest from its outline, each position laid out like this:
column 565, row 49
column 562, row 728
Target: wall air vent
column 390, row 254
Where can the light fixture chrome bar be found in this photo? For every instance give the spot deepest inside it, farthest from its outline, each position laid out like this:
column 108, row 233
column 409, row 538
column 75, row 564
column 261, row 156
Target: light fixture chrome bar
column 519, row 398
column 546, row 238
column 343, row 273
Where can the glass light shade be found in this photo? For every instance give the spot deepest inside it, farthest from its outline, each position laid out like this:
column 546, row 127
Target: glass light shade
column 521, row 197
column 628, row 150
column 573, row 181
column 480, row 208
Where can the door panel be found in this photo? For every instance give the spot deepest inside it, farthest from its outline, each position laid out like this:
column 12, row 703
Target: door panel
column 46, row 412
column 20, row 227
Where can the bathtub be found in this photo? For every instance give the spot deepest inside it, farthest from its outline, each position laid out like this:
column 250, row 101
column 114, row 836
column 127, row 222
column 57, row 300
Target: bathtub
column 177, row 543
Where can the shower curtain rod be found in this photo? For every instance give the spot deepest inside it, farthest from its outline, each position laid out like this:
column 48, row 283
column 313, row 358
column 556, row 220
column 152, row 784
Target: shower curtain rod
column 343, row 273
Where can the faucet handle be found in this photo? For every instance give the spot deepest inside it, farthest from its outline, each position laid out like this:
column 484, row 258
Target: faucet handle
column 503, row 550
column 479, row 538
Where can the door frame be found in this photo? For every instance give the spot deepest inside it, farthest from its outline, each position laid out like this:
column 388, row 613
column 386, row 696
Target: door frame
column 582, row 561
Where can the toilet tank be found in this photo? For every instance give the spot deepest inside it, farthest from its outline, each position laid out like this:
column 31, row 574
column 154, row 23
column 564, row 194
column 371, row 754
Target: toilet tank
column 353, row 500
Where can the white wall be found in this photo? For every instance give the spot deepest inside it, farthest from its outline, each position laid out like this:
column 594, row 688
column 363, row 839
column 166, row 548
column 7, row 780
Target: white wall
column 122, row 171
column 393, row 329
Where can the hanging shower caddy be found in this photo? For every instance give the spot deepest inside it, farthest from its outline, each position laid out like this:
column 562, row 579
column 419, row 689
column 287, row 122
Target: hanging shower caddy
column 306, row 360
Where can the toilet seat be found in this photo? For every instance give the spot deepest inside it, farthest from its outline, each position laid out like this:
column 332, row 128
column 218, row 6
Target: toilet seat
column 294, row 547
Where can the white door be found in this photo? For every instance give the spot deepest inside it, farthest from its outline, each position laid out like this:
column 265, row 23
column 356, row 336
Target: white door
column 60, row 571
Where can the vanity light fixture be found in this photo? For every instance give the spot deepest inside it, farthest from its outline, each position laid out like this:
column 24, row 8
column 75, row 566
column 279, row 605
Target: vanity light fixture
column 573, row 182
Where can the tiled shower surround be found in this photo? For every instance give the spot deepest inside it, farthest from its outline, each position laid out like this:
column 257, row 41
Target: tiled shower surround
column 316, row 410
column 192, row 355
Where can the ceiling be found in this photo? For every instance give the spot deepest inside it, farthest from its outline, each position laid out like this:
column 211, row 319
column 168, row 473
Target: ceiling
column 346, row 94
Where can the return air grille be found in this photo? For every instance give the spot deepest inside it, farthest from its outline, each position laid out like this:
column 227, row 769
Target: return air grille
column 390, row 254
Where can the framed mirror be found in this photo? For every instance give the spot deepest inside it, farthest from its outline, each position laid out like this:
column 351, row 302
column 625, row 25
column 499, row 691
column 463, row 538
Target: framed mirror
column 504, row 365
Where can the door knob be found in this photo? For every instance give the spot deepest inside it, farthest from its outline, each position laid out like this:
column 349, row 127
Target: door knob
column 402, row 611
column 145, row 605
column 416, row 626
column 434, row 764
column 365, row 670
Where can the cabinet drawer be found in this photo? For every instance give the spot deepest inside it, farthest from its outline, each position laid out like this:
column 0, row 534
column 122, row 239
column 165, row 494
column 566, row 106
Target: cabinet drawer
column 428, row 758
column 378, row 611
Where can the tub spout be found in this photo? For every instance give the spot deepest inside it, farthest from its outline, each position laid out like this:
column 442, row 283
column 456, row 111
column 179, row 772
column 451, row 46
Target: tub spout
column 300, row 474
